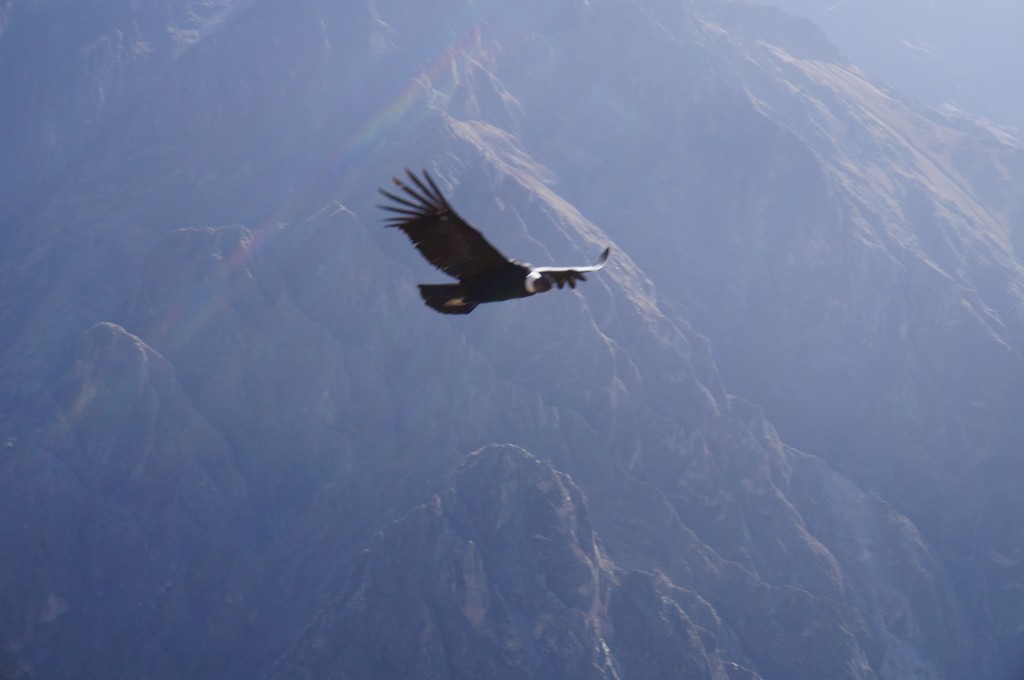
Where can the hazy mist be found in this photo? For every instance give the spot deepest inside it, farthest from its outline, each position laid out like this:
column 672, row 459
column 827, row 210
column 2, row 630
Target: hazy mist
column 944, row 52
column 777, row 437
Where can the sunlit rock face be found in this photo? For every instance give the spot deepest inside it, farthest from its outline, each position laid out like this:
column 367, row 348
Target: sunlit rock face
column 778, row 436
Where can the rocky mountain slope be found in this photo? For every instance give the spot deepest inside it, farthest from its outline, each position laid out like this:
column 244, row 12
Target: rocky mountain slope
column 945, row 53
column 776, row 438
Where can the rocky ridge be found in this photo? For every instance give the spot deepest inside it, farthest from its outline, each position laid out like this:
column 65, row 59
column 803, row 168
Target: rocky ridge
column 252, row 439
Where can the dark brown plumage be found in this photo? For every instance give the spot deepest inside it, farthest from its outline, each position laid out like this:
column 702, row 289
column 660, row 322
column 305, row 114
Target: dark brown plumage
column 455, row 247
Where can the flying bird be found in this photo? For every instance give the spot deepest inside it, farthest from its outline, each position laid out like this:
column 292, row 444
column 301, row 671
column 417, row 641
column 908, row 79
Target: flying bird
column 455, row 247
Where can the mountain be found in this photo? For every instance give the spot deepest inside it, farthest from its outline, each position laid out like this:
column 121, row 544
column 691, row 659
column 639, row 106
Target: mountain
column 947, row 54
column 776, row 437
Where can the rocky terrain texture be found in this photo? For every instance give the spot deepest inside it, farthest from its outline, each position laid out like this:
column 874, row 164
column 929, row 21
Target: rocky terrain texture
column 777, row 437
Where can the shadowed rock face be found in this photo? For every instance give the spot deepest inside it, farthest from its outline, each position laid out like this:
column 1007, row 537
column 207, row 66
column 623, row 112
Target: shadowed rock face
column 235, row 444
column 122, row 522
column 500, row 576
column 125, row 409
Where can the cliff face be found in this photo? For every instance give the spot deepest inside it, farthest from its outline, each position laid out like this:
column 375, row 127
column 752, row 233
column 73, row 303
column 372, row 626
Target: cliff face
column 775, row 438
column 431, row 596
column 502, row 575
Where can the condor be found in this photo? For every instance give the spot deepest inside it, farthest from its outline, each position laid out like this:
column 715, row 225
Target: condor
column 455, row 247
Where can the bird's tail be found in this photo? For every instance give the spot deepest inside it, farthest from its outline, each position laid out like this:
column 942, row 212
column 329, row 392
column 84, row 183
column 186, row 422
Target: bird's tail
column 446, row 298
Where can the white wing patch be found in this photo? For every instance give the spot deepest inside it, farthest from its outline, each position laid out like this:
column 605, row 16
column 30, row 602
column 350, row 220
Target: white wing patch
column 531, row 282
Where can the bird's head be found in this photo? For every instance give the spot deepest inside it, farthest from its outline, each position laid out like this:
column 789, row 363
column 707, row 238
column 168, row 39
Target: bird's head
column 537, row 282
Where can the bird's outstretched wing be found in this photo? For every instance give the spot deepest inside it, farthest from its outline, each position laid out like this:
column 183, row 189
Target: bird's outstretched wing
column 447, row 241
column 570, row 275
